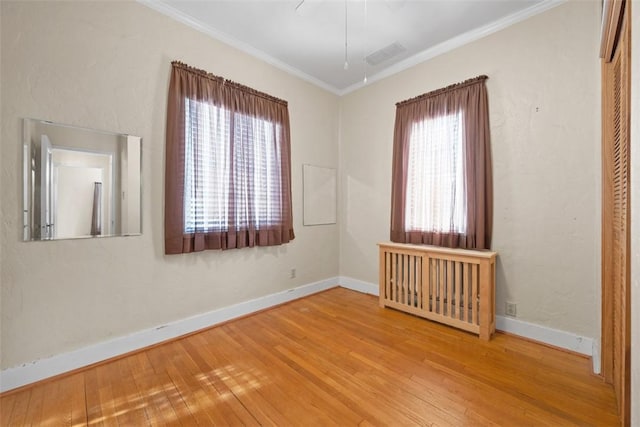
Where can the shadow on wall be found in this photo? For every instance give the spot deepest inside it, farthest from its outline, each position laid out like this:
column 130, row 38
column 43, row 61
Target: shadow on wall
column 361, row 200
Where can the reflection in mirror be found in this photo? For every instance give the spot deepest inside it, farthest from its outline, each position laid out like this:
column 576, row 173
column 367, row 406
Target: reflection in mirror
column 79, row 182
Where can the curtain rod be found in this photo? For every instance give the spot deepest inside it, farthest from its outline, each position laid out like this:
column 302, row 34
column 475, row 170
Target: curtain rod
column 442, row 90
column 226, row 82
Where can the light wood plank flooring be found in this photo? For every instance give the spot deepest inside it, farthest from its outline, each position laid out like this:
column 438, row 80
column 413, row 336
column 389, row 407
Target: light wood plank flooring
column 334, row 358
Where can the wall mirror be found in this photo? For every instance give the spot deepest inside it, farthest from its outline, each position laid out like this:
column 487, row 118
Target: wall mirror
column 319, row 195
column 80, row 183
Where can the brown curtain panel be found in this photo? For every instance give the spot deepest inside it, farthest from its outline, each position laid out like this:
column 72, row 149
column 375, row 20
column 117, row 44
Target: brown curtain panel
column 201, row 105
column 469, row 99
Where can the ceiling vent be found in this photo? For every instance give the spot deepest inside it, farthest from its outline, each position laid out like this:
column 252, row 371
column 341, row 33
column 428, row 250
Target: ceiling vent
column 386, row 53
column 395, row 5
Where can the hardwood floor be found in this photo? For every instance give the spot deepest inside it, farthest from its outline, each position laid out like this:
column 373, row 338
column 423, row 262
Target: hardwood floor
column 334, row 358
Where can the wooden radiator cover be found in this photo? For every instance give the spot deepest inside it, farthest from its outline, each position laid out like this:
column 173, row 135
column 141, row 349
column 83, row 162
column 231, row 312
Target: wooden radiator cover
column 451, row 286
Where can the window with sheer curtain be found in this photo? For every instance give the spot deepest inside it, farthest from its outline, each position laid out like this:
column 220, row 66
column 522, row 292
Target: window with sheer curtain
column 210, row 174
column 435, row 199
column 441, row 181
column 228, row 179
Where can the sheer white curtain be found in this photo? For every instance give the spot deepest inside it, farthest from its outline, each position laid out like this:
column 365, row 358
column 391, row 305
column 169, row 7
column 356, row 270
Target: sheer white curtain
column 207, row 167
column 232, row 171
column 435, row 199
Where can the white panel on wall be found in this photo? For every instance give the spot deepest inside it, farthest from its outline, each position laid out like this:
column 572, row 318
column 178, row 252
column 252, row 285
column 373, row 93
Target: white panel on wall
column 319, row 188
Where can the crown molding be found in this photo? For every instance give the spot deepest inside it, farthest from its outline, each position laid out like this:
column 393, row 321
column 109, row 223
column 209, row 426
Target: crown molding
column 456, row 42
column 425, row 55
column 179, row 16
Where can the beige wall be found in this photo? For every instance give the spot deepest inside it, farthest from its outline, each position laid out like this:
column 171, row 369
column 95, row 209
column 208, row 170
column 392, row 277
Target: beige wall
column 544, row 111
column 106, row 66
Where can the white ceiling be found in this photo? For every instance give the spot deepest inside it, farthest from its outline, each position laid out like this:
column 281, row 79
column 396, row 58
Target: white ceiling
column 310, row 42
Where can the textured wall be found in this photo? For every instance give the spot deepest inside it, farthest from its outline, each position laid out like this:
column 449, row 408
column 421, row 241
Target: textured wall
column 105, row 65
column 545, row 125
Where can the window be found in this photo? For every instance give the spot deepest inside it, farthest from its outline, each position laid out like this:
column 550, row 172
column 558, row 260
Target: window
column 229, row 151
column 247, row 178
column 441, row 179
column 435, row 200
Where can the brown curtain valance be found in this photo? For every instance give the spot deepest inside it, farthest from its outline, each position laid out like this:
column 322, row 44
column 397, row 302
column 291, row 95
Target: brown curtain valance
column 442, row 90
column 226, row 82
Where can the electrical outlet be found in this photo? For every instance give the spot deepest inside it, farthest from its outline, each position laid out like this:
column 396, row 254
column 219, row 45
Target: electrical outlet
column 292, row 273
column 510, row 309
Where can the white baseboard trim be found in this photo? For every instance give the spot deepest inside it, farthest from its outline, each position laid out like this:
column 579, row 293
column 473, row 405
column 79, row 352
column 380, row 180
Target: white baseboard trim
column 358, row 285
column 595, row 356
column 555, row 337
column 44, row 368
